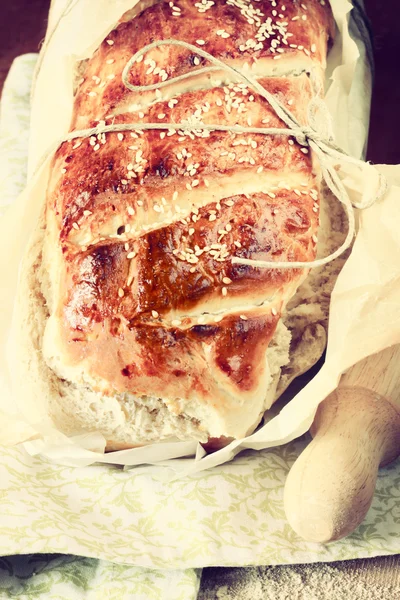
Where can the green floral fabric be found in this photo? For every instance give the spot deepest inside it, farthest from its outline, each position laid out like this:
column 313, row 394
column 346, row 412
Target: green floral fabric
column 147, row 518
column 14, row 128
column 53, row 577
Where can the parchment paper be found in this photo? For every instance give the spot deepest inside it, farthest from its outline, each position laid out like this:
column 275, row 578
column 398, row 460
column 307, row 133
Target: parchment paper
column 363, row 317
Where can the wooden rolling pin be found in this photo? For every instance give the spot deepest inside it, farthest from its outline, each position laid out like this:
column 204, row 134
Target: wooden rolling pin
column 356, row 430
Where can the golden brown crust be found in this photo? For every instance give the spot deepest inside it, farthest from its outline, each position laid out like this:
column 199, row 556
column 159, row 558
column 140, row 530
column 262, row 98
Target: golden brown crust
column 179, row 268
column 105, row 176
column 146, row 298
column 140, row 357
column 309, row 30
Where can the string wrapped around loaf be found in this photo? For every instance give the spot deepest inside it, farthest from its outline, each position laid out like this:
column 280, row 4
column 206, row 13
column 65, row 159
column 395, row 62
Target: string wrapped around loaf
column 153, row 328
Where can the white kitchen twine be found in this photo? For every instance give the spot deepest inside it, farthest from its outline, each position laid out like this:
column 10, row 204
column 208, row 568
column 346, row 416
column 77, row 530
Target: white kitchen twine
column 321, row 143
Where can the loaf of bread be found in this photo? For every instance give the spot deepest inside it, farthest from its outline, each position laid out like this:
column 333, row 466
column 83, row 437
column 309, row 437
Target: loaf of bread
column 134, row 321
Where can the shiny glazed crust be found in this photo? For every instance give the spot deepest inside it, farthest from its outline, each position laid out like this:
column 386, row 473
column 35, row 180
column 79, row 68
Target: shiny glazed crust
column 143, row 298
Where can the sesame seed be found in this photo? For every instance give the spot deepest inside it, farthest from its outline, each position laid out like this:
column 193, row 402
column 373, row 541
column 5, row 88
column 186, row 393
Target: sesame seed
column 314, row 239
column 154, row 314
column 224, row 291
column 110, row 42
column 274, row 312
column 124, row 181
column 131, row 255
column 121, row 293
column 226, row 280
column 75, row 225
column 176, row 322
column 120, row 136
column 111, row 76
column 304, row 150
column 200, row 42
column 130, row 210
column 161, row 116
column 313, row 48
column 243, row 317
column 87, row 213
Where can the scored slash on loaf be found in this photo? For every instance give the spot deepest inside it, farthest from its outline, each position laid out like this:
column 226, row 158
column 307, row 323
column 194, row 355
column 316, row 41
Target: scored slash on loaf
column 151, row 332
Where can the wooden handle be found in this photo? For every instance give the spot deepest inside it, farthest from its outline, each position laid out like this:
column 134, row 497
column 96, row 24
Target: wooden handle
column 330, row 487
